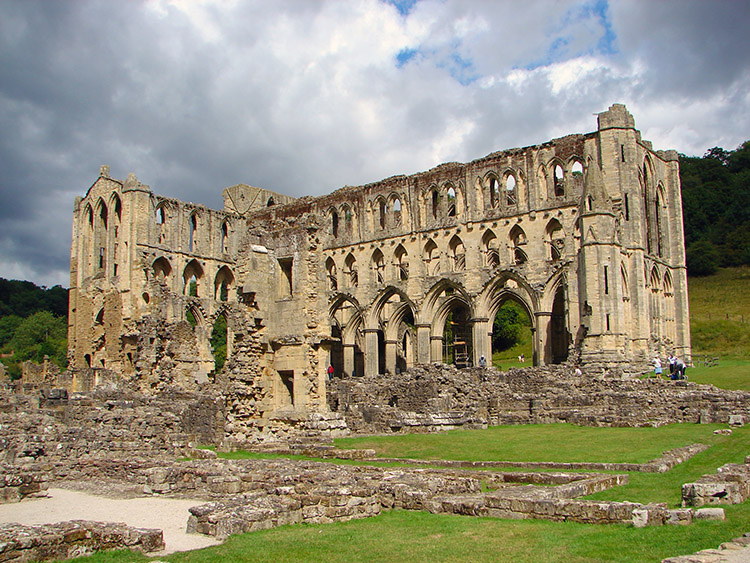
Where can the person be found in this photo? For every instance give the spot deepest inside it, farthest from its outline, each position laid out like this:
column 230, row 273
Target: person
column 657, row 367
column 679, row 369
column 523, row 358
column 330, row 372
column 671, row 361
column 482, row 361
column 578, row 370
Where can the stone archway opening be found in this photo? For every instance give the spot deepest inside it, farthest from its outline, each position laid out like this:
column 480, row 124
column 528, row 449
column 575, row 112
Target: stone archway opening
column 457, row 338
column 512, row 336
column 559, row 336
column 220, row 342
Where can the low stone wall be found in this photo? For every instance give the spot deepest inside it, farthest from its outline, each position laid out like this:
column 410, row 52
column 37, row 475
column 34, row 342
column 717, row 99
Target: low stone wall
column 729, row 485
column 17, row 484
column 65, row 540
column 438, row 397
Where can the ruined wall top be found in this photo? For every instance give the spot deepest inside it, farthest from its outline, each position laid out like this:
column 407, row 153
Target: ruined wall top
column 616, row 117
column 242, row 198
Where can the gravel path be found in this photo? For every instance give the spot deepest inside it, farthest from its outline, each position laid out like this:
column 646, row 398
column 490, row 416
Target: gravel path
column 167, row 514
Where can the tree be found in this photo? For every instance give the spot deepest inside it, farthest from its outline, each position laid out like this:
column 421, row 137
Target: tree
column 506, row 329
column 702, row 258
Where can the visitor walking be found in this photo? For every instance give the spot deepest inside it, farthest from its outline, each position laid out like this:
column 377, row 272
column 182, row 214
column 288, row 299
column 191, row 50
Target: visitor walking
column 657, row 367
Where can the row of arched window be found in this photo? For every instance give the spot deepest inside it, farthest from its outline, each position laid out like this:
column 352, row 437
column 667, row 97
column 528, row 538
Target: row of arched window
column 100, row 234
column 456, row 257
column 162, row 220
column 449, row 200
column 193, row 280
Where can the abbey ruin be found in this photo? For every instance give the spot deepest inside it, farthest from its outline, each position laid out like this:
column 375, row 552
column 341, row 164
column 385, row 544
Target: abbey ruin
column 584, row 232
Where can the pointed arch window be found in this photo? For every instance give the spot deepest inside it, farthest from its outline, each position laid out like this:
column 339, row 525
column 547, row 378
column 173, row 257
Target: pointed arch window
column 431, row 258
column 451, row 202
column 333, row 282
column 559, row 181
column 378, row 264
column 351, row 270
column 458, row 254
column 401, row 262
column 193, row 242
column 511, row 196
column 334, row 223
column 494, row 192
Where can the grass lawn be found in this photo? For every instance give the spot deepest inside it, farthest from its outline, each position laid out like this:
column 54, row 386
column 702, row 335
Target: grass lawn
column 729, row 374
column 538, row 442
column 407, row 536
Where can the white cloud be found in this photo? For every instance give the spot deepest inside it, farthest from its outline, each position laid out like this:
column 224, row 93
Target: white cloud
column 304, row 97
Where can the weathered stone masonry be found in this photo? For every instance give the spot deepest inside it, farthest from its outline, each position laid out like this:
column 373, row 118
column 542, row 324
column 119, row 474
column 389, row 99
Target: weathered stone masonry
column 584, row 232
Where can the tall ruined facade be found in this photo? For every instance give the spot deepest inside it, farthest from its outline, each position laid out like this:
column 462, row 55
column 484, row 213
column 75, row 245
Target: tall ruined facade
column 584, row 232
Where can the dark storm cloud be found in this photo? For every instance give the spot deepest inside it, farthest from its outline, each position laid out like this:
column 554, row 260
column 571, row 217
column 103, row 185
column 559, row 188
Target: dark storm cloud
column 303, row 97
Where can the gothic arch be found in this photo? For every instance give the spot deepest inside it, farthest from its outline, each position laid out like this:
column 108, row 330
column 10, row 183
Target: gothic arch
column 193, row 272
column 490, row 251
column 431, row 257
column 350, row 270
column 161, row 269
column 555, row 238
column 401, row 263
column 457, row 252
column 223, row 283
column 331, row 274
column 377, row 263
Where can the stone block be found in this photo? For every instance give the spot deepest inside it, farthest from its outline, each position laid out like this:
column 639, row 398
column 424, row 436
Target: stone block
column 709, row 514
column 680, row 516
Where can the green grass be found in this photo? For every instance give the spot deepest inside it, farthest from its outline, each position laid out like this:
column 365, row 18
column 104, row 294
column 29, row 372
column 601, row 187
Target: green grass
column 538, row 442
column 720, row 313
column 408, row 536
column 729, row 374
column 417, row 536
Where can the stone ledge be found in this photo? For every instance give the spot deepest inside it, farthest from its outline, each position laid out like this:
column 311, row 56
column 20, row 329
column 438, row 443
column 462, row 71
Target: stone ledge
column 65, row 540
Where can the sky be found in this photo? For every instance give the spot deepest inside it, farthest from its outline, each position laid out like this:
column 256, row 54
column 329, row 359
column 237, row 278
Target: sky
column 305, row 96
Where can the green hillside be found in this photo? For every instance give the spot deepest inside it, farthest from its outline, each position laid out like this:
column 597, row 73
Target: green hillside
column 720, row 313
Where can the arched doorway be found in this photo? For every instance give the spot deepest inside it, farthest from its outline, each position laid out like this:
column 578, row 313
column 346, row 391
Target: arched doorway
column 558, row 334
column 512, row 335
column 457, row 338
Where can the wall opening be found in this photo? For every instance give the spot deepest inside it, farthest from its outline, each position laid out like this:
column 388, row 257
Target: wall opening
column 457, row 341
column 286, row 389
column 285, row 285
column 219, row 341
column 511, row 334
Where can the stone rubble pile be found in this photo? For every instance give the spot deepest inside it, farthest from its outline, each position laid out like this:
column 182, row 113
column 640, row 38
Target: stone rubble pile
column 17, row 484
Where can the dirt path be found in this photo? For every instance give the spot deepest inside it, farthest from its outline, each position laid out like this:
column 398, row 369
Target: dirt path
column 169, row 515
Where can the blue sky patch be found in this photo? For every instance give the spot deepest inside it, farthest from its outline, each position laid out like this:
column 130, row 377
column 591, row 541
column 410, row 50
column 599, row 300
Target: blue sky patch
column 560, row 48
column 403, row 6
column 404, row 56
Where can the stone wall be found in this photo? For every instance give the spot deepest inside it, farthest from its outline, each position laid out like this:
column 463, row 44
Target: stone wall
column 435, row 397
column 66, row 540
column 105, row 423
